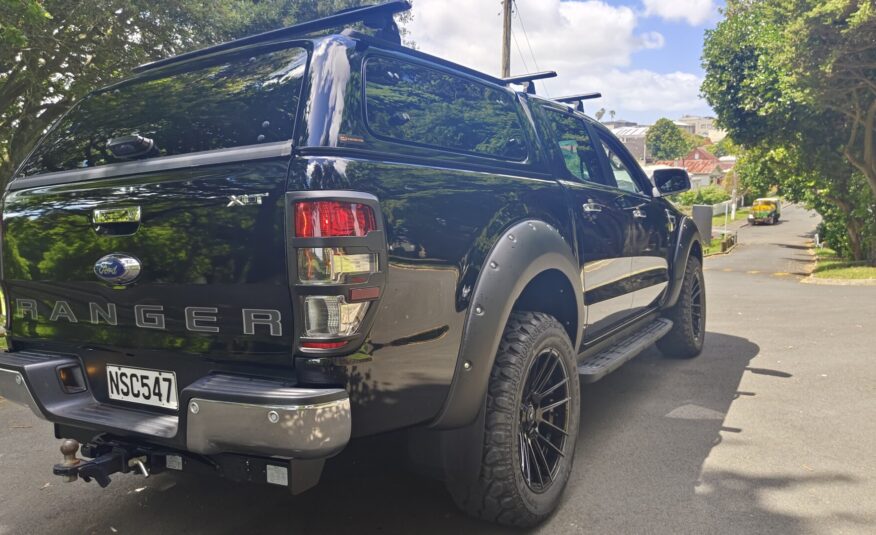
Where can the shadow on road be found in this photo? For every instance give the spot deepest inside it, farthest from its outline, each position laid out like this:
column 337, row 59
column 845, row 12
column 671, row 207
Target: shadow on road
column 646, row 432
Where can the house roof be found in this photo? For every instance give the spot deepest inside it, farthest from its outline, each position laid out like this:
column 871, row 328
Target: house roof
column 704, row 154
column 694, row 167
column 631, row 131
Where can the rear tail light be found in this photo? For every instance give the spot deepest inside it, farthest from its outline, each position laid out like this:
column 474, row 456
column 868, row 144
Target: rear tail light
column 334, row 266
column 330, row 316
column 336, row 247
column 330, row 219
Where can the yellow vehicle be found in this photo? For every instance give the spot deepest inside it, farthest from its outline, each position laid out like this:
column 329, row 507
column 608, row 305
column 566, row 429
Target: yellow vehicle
column 766, row 210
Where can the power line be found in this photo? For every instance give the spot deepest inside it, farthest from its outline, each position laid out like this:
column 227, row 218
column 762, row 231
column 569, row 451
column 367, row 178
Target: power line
column 528, row 44
column 519, row 53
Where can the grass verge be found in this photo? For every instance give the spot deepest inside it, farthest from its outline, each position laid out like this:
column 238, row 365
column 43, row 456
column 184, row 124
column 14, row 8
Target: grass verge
column 718, row 220
column 713, row 247
column 830, row 266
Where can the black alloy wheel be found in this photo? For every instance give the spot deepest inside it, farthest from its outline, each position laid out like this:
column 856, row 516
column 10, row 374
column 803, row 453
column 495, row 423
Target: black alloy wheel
column 544, row 420
column 697, row 308
column 688, row 315
column 531, row 425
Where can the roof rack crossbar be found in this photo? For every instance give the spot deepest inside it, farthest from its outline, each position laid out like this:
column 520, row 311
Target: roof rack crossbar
column 378, row 16
column 529, row 79
column 578, row 100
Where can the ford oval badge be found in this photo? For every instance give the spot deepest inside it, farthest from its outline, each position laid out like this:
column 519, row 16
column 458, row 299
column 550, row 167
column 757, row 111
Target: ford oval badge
column 117, row 268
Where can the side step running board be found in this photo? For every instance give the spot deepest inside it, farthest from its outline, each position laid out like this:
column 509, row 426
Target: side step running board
column 610, row 359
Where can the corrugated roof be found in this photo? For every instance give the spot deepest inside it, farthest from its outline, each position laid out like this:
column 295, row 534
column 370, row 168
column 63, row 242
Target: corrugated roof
column 694, row 167
column 631, row 131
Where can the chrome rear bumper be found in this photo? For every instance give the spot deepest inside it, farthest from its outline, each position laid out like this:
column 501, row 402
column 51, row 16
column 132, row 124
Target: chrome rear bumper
column 14, row 388
column 219, row 413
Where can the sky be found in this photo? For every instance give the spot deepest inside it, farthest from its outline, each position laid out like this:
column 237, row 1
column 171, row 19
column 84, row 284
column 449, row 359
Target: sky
column 642, row 55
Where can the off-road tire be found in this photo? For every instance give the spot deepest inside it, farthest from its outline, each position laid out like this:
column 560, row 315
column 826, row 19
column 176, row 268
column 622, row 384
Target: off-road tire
column 501, row 492
column 685, row 339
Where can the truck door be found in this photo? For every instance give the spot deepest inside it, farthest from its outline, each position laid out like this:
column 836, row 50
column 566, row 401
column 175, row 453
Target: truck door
column 601, row 222
column 648, row 238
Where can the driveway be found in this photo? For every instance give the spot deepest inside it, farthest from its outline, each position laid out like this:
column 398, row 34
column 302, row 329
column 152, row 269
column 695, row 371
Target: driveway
column 771, row 430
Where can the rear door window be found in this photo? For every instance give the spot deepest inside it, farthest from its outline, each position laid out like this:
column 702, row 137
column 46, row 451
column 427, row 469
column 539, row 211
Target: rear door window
column 621, row 164
column 576, row 146
column 414, row 104
column 232, row 102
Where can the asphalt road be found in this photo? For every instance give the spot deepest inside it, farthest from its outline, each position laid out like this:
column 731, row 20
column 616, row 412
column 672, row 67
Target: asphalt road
column 771, row 430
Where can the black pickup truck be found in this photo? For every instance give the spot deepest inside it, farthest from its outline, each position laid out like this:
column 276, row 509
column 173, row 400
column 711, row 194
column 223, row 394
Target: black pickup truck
column 240, row 259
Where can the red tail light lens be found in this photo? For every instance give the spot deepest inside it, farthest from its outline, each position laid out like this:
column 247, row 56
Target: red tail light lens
column 328, row 219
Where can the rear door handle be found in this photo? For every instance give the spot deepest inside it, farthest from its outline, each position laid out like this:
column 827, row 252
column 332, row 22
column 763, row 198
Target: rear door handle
column 122, row 221
column 110, row 216
column 591, row 207
column 639, row 214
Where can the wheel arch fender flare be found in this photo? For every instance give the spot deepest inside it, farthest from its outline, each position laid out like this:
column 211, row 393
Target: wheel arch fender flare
column 524, row 250
column 688, row 242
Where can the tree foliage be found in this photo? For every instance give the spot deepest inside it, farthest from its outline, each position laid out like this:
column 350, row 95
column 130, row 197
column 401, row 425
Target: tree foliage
column 706, row 195
column 793, row 82
column 666, row 141
column 726, row 147
column 52, row 52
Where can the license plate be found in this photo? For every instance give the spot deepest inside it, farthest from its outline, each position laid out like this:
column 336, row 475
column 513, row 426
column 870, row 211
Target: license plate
column 146, row 387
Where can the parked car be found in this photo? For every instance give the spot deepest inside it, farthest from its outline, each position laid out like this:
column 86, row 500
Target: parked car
column 242, row 258
column 765, row 210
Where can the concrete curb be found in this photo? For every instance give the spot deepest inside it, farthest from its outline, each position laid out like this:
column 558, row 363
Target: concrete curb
column 812, row 279
column 838, row 282
column 725, row 253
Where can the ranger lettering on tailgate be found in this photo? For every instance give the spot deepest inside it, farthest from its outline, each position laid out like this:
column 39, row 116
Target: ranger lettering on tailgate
column 197, row 319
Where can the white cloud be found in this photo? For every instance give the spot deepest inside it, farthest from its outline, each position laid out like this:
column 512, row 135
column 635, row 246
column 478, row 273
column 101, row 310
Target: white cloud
column 668, row 94
column 562, row 34
column 589, row 43
column 695, row 12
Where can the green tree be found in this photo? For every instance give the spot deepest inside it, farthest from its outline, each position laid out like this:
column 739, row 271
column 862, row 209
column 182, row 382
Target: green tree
column 692, row 141
column 52, row 52
column 666, row 141
column 726, row 147
column 771, row 76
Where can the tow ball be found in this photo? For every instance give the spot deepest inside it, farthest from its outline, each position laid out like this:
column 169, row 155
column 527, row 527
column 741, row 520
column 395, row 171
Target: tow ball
column 106, row 460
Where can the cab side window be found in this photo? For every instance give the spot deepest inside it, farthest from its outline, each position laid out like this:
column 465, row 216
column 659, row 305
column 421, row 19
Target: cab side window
column 414, row 104
column 576, row 146
column 623, row 176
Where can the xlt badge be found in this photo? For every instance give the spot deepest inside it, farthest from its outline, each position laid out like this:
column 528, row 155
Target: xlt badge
column 245, row 200
column 117, row 268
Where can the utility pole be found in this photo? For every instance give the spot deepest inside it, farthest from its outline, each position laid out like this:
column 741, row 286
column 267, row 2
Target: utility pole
column 506, row 38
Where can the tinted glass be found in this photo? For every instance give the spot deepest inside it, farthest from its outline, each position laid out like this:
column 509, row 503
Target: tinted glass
column 243, row 101
column 622, row 174
column 576, row 146
column 415, row 104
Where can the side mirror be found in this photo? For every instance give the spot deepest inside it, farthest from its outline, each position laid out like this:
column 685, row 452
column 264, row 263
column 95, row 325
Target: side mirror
column 671, row 181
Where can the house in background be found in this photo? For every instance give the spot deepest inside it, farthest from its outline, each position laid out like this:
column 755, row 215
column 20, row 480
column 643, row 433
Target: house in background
column 633, row 138
column 619, row 123
column 727, row 163
column 703, row 167
column 704, row 126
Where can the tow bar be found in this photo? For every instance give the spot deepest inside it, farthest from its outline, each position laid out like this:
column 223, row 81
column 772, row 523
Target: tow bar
column 106, row 460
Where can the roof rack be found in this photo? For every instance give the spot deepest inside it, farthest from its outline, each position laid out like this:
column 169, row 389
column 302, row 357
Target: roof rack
column 578, row 100
column 377, row 16
column 529, row 79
